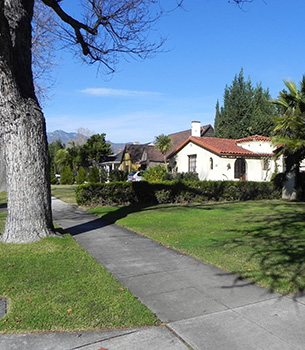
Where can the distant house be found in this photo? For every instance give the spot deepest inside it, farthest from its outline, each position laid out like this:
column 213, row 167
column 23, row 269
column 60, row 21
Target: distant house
column 112, row 162
column 132, row 155
column 145, row 156
column 250, row 158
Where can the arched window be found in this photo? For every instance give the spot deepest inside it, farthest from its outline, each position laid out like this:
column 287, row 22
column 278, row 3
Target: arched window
column 211, row 163
column 240, row 169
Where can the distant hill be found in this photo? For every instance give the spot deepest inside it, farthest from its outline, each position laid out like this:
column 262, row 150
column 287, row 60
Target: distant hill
column 65, row 137
column 61, row 135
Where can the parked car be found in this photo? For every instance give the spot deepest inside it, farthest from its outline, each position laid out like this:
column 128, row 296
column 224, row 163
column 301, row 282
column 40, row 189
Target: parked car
column 138, row 176
column 130, row 176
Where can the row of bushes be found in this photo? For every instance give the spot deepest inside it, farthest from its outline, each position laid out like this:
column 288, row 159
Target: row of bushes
column 122, row 193
column 94, row 174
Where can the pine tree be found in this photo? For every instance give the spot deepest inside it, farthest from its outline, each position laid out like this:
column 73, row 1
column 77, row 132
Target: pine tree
column 217, row 117
column 246, row 110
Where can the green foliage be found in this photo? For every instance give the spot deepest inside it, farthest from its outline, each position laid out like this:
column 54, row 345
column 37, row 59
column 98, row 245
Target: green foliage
column 75, row 155
column 53, row 178
column 62, row 159
column 93, row 175
column 155, row 174
column 185, row 177
column 163, row 144
column 118, row 193
column 80, row 178
column 117, row 175
column 103, row 176
column 53, row 148
column 290, row 125
column 246, row 110
column 111, row 193
column 95, row 148
column 66, row 176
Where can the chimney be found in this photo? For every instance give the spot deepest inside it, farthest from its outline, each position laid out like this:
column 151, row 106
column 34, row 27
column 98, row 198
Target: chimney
column 196, row 126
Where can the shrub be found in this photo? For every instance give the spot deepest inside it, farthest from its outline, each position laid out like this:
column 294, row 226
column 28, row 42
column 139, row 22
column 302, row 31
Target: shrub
column 116, row 175
column 103, row 176
column 93, row 175
column 66, row 176
column 185, row 177
column 155, row 174
column 80, row 178
column 112, row 193
column 118, row 193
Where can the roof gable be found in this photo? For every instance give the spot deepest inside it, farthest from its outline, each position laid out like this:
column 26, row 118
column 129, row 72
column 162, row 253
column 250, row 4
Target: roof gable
column 180, row 137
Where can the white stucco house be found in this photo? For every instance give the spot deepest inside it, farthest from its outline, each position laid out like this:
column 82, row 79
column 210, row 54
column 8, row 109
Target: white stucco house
column 250, row 158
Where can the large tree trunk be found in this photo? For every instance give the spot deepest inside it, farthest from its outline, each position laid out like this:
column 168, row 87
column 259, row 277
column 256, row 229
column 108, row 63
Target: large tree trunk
column 289, row 190
column 22, row 133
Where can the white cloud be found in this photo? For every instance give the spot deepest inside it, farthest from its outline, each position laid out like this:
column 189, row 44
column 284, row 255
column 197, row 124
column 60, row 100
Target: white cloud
column 117, row 92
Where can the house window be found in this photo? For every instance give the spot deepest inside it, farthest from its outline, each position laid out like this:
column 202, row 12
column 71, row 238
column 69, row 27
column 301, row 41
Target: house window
column 240, row 169
column 192, row 163
column 211, row 163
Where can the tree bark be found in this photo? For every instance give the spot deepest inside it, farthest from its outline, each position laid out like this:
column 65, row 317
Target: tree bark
column 22, row 130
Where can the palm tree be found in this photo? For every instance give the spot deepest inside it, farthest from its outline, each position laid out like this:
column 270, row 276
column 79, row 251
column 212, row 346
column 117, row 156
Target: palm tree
column 163, row 144
column 289, row 132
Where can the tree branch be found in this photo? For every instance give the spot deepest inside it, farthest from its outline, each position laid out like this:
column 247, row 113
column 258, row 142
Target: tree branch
column 125, row 26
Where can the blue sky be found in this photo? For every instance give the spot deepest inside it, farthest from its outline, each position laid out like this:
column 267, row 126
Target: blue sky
column 208, row 44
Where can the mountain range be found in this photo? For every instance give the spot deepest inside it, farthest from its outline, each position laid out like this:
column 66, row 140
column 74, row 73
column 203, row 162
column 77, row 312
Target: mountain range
column 65, row 137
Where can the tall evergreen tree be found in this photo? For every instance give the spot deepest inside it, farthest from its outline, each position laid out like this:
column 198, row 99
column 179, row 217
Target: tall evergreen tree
column 246, row 110
column 217, row 116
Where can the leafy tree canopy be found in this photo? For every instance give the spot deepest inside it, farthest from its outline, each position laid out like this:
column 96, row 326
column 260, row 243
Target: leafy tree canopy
column 289, row 132
column 96, row 147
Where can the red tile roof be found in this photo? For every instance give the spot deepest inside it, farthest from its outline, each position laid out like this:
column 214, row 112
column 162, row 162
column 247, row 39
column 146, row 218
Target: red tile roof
column 221, row 147
column 254, row 138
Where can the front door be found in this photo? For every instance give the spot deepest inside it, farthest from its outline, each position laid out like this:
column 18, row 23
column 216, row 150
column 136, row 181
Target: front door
column 240, row 169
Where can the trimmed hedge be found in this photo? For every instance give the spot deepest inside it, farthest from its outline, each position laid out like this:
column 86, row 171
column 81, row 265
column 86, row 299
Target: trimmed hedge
column 122, row 193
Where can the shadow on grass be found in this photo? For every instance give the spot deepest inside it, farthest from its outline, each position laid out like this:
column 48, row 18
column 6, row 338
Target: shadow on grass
column 274, row 243
column 277, row 243
column 3, row 206
column 124, row 211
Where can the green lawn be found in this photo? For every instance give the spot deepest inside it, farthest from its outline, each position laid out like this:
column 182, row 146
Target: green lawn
column 54, row 285
column 263, row 241
column 64, row 192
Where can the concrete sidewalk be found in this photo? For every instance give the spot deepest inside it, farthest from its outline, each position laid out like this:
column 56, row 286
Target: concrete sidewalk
column 203, row 307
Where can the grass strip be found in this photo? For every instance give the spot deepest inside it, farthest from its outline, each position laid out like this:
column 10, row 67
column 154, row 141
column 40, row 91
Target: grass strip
column 65, row 193
column 262, row 241
column 55, row 285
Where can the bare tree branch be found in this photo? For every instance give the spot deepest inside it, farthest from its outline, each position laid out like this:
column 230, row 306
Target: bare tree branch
column 108, row 29
column 43, row 48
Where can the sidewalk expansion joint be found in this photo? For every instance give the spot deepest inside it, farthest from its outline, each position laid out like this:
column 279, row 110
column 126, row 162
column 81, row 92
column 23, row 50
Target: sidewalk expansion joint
column 104, row 339
column 178, row 337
